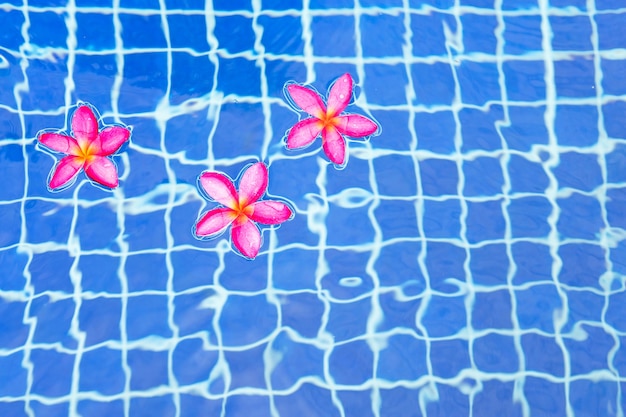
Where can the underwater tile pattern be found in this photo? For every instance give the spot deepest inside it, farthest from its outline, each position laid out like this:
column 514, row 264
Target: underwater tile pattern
column 469, row 260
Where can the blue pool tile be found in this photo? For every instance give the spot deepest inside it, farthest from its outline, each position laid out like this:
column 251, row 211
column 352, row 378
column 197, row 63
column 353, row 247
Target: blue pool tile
column 346, row 264
column 41, row 75
column 619, row 360
column 306, row 399
column 145, row 406
column 196, row 405
column 583, row 305
column 183, row 131
column 441, row 218
column 610, row 33
column 99, row 273
column 527, row 128
column 100, row 318
column 145, row 272
column 348, row 320
column 40, row 33
column 488, row 4
column 11, row 154
column 189, row 31
column 90, row 231
column 331, row 4
column 615, row 163
column 278, row 73
column 397, row 265
column 575, row 78
column 351, row 363
column 102, row 364
column 436, row 132
column 479, row 82
column 191, row 363
column 478, row 129
column 398, row 312
column 95, row 31
column 396, row 134
column 298, row 360
column 239, row 76
column 449, row 357
column 576, row 125
column 404, row 358
column 445, row 316
column 238, row 314
column 485, row 221
column 147, row 173
column 610, row 5
column 617, row 256
column 592, row 353
column 303, row 313
column 495, row 353
column 12, row 375
column 10, row 224
column 288, row 272
column 529, row 216
column 527, row 176
column 231, row 5
column 185, row 5
column 148, row 369
column 489, row 264
column 52, row 372
column 50, row 410
column 615, row 311
column 479, row 33
column 444, row 261
column 141, row 31
column 452, row 402
column 385, row 84
column 146, row 316
column 281, row 5
column 147, row 230
column 583, row 265
column 483, row 177
column 536, row 306
column 144, row 82
column 434, row 84
column 189, row 315
column 138, row 4
column 239, row 131
column 54, row 320
column 356, row 403
column 578, row 4
column 522, row 33
column 439, row 177
column 524, row 80
column 589, row 397
column 611, row 113
column 330, row 33
column 397, row 219
column 242, row 404
column 543, row 354
column 193, row 268
column 94, row 76
column 50, row 271
column 579, row 171
column 192, row 77
column 580, row 217
column 382, row 35
column 348, row 226
column 14, row 266
column 401, row 401
column 492, row 310
column 395, row 175
column 545, row 397
column 571, row 33
column 430, row 26
column 282, row 34
column 244, row 368
column 234, row 33
column 11, row 36
column 497, row 398
column 101, row 408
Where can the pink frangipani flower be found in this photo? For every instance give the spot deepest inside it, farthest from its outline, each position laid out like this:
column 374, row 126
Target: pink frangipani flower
column 87, row 148
column 241, row 209
column 327, row 119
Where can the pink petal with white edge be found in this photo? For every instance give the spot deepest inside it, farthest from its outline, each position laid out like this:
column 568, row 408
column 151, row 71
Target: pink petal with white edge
column 60, row 143
column 271, row 212
column 84, row 126
column 220, row 188
column 109, row 140
column 214, row 222
column 339, row 95
column 304, row 133
column 247, row 239
column 334, row 145
column 308, row 100
column 103, row 171
column 253, row 184
column 65, row 171
column 355, row 126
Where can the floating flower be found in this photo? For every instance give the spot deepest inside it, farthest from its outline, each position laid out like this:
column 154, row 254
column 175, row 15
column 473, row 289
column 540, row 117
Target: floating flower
column 241, row 209
column 327, row 119
column 87, row 148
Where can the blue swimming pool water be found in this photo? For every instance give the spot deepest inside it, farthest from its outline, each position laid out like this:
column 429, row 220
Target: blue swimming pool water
column 468, row 261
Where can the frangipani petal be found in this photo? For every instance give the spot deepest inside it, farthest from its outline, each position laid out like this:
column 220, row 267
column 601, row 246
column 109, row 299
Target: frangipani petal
column 339, row 95
column 247, row 238
column 308, row 100
column 84, row 126
column 109, row 140
column 220, row 188
column 304, row 133
column 214, row 222
column 270, row 212
column 253, row 184
column 60, row 143
column 65, row 171
column 334, row 145
column 103, row 171
column 355, row 125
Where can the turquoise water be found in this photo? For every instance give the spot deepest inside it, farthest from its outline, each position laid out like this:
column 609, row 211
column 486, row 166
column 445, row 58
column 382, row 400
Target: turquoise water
column 468, row 261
